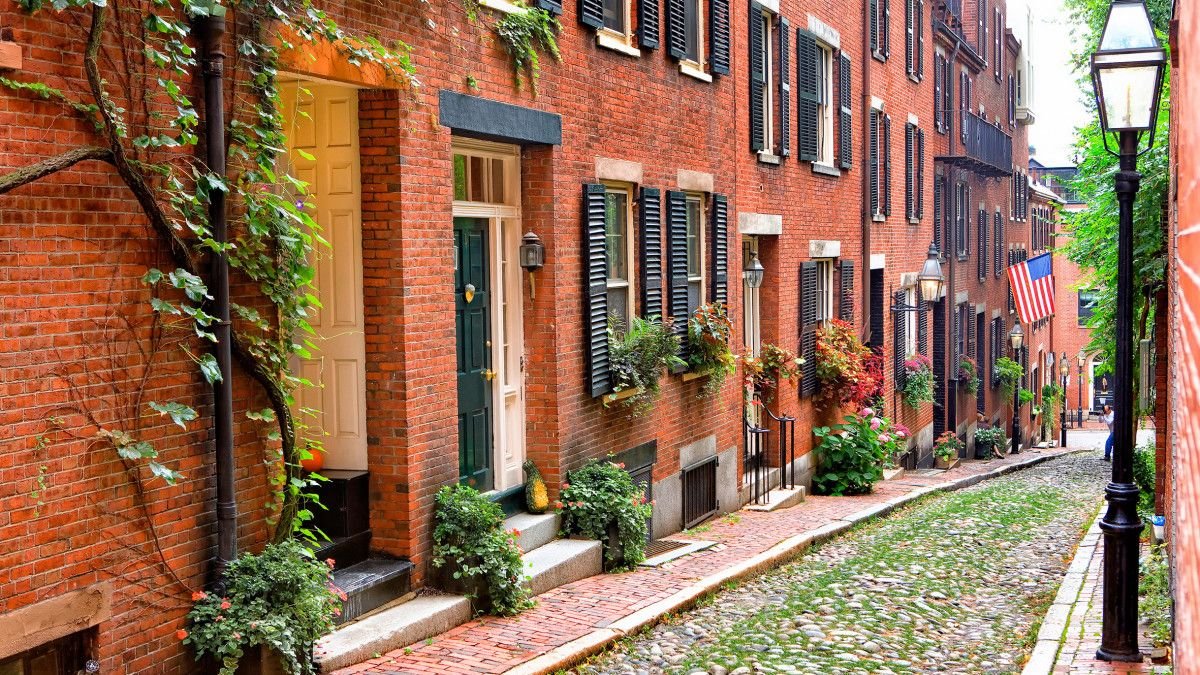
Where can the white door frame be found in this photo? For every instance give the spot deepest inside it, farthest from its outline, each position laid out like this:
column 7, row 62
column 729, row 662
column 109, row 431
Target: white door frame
column 507, row 310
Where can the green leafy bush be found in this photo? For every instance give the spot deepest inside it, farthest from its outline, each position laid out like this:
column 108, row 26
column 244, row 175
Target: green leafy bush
column 638, row 357
column 478, row 554
column 989, row 439
column 708, row 346
column 852, row 454
column 282, row 598
column 1052, row 398
column 1155, row 591
column 601, row 501
column 918, row 380
column 1024, row 396
column 1143, row 476
column 1008, row 375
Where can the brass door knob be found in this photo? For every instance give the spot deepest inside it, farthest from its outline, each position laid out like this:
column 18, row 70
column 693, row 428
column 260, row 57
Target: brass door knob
column 488, row 374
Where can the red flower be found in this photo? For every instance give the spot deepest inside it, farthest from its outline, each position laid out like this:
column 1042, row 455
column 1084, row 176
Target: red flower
column 330, row 562
column 198, row 596
column 225, row 604
column 181, row 634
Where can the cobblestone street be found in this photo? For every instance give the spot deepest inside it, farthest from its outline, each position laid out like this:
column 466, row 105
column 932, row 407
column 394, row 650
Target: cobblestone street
column 957, row 583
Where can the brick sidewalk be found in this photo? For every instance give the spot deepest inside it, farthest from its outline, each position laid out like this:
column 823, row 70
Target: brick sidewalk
column 576, row 620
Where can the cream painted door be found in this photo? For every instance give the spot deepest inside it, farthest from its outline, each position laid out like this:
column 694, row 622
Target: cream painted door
column 322, row 127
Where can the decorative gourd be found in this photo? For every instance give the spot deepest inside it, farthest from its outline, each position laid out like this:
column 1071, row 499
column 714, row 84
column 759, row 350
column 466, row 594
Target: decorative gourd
column 537, row 500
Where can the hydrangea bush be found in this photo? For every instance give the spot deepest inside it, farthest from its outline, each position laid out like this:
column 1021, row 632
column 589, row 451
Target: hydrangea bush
column 852, row 454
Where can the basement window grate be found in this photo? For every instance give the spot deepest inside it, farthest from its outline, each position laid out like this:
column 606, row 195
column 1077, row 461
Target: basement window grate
column 699, row 492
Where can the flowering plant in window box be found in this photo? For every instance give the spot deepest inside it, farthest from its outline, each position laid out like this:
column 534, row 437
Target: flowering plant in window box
column 772, row 365
column 638, row 357
column 708, row 346
column 848, row 371
column 918, row 380
column 968, row 375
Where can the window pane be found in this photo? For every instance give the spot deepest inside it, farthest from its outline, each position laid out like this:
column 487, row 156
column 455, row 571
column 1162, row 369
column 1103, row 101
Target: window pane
column 475, row 179
column 694, row 292
column 618, row 304
column 460, row 177
column 693, row 238
column 616, row 227
column 691, row 29
column 497, row 196
column 614, row 15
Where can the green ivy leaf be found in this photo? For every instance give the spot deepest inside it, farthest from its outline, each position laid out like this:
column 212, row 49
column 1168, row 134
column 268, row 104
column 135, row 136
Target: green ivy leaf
column 210, row 368
column 180, row 414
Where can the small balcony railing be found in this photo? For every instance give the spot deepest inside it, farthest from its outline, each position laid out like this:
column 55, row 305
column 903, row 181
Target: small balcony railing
column 984, row 148
column 950, row 13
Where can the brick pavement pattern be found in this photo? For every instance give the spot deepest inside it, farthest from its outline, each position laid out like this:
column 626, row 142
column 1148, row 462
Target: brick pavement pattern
column 571, row 612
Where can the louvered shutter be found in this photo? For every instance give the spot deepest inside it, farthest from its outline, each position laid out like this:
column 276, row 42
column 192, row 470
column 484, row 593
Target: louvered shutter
column 957, row 336
column 920, row 173
column 785, row 88
column 552, row 6
column 591, row 13
column 963, row 105
column 910, row 38
column 980, row 361
column 981, row 254
column 719, row 235
column 887, row 165
column 677, row 300
column 1012, row 102
column 938, row 182
column 910, row 202
column 899, row 340
column 873, row 8
column 845, row 133
column 997, row 243
column 998, row 48
column 920, row 39
column 922, row 327
column 966, row 220
column 676, row 39
column 981, row 34
column 873, row 160
column 939, row 368
column 971, row 337
column 846, row 306
column 807, row 101
column 648, row 31
column 650, row 239
column 758, row 79
column 939, row 84
column 718, row 37
column 808, row 325
column 876, row 335
column 595, row 266
column 886, row 38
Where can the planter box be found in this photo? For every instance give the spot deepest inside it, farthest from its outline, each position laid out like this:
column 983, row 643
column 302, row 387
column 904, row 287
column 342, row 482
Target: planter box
column 689, row 376
column 946, row 463
column 622, row 395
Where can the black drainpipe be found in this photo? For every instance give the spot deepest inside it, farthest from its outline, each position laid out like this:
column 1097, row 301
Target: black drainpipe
column 211, row 31
column 868, row 331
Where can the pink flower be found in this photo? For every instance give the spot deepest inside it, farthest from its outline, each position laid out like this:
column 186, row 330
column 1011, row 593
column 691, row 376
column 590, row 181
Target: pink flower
column 868, row 412
column 225, row 604
column 330, row 562
column 198, row 596
column 884, row 438
column 566, row 486
column 236, row 636
column 874, row 424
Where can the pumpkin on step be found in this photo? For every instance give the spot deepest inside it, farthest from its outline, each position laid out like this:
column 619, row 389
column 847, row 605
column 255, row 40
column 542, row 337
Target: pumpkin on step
column 537, row 500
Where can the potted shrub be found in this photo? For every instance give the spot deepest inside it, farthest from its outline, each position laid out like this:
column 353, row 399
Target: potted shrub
column 708, row 349
column 968, row 375
column 946, row 450
column 601, row 501
column 852, row 454
column 918, row 380
column 281, row 600
column 474, row 555
column 848, row 372
column 989, row 442
column 638, row 357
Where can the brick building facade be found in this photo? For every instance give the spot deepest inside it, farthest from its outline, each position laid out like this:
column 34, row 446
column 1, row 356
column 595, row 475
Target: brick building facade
column 659, row 153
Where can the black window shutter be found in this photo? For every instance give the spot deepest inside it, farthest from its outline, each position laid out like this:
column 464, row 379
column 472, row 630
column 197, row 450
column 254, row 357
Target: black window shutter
column 874, row 10
column 966, row 220
column 876, row 334
column 997, row 42
column 956, row 348
column 845, row 141
column 873, row 160
column 846, row 308
column 552, row 6
column 938, row 182
column 785, row 88
column 922, row 327
column 997, row 242
column 1012, row 102
column 939, row 84
column 720, row 249
column 963, row 104
column 676, row 40
column 920, row 173
column 899, row 340
column 648, row 32
column 677, row 300
column 981, row 254
column 595, row 266
column 808, row 328
column 980, row 359
column 758, row 77
column 650, row 239
column 939, row 367
column 887, row 165
column 886, row 38
column 910, row 197
column 971, row 337
column 981, row 36
column 910, row 38
column 591, row 13
column 718, row 37
column 806, row 103
column 920, row 39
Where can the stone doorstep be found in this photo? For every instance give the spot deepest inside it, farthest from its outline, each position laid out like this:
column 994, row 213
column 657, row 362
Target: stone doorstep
column 779, row 498
column 562, row 561
column 536, row 530
column 893, row 473
column 391, row 628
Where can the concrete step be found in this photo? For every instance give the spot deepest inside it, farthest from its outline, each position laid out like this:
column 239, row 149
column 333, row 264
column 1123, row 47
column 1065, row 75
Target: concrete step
column 561, row 562
column 391, row 628
column 780, row 498
column 535, row 530
column 371, row 584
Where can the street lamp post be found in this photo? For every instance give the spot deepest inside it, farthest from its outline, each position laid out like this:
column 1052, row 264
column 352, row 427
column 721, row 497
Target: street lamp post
column 1016, row 338
column 1082, row 360
column 1064, row 369
column 1127, row 73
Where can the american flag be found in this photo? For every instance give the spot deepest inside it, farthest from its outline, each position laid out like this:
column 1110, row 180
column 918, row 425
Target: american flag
column 1033, row 287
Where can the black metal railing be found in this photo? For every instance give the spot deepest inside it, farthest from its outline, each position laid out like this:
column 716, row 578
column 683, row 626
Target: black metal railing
column 984, row 148
column 787, row 449
column 950, row 13
column 754, row 458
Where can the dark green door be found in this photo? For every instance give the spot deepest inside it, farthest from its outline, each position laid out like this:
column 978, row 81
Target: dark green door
column 472, row 319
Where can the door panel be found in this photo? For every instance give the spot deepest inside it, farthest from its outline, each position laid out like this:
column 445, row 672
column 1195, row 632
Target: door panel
column 323, row 124
column 473, row 346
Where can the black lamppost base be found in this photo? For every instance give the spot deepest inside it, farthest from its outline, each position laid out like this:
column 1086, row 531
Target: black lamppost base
column 1123, row 658
column 1122, row 528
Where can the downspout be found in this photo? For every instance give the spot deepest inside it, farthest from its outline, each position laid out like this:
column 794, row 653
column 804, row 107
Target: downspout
column 867, row 332
column 211, row 32
column 949, row 308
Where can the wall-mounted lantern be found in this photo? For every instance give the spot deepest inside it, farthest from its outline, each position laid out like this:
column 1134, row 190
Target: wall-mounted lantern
column 532, row 256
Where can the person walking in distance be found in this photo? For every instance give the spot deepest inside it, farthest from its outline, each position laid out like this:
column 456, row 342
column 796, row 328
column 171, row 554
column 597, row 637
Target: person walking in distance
column 1107, row 418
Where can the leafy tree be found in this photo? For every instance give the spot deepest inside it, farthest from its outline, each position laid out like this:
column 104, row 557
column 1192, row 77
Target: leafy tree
column 1093, row 245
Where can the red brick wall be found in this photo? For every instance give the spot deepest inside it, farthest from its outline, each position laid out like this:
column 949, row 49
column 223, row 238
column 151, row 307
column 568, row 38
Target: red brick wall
column 1069, row 335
